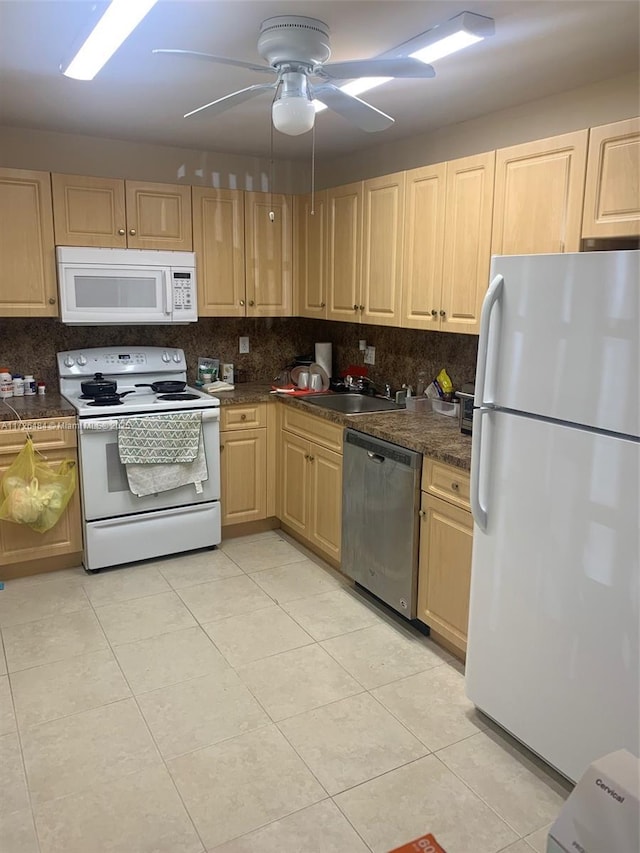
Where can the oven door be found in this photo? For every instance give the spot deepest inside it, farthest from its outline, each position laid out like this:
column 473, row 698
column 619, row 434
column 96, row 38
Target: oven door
column 105, row 488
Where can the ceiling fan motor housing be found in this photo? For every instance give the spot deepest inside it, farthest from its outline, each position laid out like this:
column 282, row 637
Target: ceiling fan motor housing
column 294, row 39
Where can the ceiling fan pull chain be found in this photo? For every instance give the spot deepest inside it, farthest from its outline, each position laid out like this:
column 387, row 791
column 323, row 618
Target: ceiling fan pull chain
column 272, row 215
column 313, row 170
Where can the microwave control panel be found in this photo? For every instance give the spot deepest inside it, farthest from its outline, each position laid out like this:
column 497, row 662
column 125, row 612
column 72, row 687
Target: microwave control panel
column 184, row 294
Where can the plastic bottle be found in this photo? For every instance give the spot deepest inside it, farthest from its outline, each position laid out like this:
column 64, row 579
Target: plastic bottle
column 18, row 385
column 42, row 389
column 29, row 385
column 6, row 383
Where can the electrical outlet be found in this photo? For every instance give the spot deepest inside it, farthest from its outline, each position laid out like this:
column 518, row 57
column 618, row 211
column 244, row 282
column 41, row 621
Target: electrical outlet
column 244, row 345
column 370, row 355
column 363, row 346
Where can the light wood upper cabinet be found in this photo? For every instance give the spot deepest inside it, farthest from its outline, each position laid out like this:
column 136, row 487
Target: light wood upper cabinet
column 467, row 242
column 27, row 258
column 89, row 211
column 382, row 240
column 538, row 196
column 612, row 189
column 344, row 213
column 158, row 216
column 218, row 240
column 424, row 207
column 310, row 255
column 268, row 251
column 107, row 212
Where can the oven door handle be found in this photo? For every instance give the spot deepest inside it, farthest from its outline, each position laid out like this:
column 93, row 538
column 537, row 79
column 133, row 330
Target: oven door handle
column 111, row 424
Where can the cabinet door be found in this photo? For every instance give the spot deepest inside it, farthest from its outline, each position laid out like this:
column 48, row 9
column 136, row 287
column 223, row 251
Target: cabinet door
column 538, row 196
column 268, row 246
column 382, row 239
column 344, row 212
column 423, row 246
column 158, row 216
column 310, row 255
column 467, row 245
column 243, row 475
column 612, row 189
column 444, row 572
column 26, row 245
column 294, row 484
column 19, row 543
column 325, row 501
column 218, row 241
column 89, row 211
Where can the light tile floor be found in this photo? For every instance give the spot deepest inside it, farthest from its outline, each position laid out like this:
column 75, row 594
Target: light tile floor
column 244, row 699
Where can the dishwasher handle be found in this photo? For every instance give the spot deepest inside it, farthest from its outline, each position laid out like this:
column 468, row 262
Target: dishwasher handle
column 375, row 457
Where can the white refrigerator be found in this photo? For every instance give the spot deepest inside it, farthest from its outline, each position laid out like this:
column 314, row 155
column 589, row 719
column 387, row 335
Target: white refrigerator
column 554, row 624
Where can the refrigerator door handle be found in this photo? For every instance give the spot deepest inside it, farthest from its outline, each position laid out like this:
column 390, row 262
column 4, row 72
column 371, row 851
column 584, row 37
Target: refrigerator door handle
column 492, row 297
column 478, row 510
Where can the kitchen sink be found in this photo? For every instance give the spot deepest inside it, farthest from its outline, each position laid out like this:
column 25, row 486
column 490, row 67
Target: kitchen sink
column 353, row 404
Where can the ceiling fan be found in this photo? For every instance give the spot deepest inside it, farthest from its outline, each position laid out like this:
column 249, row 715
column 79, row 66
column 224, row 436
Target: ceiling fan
column 296, row 49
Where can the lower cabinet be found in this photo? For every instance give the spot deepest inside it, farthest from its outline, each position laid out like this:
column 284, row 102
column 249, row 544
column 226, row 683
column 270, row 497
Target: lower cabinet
column 22, row 550
column 245, row 474
column 310, row 487
column 446, row 536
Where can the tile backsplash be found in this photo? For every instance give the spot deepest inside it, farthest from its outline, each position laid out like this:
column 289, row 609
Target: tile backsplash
column 30, row 346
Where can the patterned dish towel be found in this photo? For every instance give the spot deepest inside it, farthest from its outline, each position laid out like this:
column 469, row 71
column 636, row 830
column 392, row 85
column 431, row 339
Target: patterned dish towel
column 149, row 440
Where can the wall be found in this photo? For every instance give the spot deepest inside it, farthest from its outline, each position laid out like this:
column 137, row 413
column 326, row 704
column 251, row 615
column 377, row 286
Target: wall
column 75, row 154
column 31, row 346
column 588, row 106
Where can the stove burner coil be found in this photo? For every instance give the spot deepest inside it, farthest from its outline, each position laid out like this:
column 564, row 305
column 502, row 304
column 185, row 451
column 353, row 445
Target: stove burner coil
column 184, row 396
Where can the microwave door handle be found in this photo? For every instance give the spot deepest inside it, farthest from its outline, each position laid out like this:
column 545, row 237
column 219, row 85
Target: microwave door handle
column 168, row 306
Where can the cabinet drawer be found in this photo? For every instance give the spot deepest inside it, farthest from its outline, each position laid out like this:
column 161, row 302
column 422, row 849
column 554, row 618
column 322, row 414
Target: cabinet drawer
column 315, row 429
column 243, row 417
column 445, row 481
column 47, row 434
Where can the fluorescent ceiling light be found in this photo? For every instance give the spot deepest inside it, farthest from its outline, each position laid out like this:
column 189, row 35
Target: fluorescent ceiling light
column 462, row 31
column 118, row 21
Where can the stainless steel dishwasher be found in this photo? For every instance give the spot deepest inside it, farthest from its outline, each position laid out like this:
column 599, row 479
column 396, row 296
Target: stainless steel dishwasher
column 380, row 514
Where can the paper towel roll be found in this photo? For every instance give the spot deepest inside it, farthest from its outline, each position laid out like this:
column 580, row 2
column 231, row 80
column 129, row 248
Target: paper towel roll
column 324, row 357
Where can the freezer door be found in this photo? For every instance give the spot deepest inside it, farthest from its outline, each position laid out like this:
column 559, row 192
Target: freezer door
column 562, row 338
column 553, row 648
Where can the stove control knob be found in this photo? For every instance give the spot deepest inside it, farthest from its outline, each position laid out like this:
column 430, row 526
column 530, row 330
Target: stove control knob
column 166, row 357
column 69, row 361
column 176, row 357
column 82, row 360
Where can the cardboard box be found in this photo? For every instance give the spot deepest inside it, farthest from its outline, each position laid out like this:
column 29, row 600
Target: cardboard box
column 424, row 844
column 602, row 812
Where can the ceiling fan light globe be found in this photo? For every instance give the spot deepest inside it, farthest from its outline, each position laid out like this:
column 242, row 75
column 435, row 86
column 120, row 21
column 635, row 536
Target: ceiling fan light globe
column 293, row 115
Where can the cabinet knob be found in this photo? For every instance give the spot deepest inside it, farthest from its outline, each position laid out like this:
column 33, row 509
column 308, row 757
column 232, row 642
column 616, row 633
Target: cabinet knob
column 434, row 313
column 443, row 313
column 323, row 304
column 132, row 231
column 242, row 302
column 455, row 486
column 52, row 300
column 311, row 458
column 251, row 303
column 243, row 417
column 355, row 307
column 362, row 307
column 221, row 448
column 121, row 232
column 422, row 513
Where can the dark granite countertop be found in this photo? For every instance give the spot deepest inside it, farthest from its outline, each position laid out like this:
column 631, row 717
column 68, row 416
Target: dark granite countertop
column 51, row 405
column 429, row 433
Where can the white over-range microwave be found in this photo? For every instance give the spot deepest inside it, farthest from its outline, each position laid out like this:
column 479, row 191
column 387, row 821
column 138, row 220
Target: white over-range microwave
column 126, row 286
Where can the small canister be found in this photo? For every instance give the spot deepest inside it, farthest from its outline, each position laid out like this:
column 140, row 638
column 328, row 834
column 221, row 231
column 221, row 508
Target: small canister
column 42, row 389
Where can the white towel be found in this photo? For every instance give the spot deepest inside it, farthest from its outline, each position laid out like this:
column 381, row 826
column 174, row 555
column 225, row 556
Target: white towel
column 154, row 437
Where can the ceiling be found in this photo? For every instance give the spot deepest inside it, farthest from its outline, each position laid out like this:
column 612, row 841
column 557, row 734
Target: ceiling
column 539, row 48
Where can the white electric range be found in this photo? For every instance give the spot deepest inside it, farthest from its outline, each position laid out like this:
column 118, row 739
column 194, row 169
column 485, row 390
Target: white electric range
column 118, row 526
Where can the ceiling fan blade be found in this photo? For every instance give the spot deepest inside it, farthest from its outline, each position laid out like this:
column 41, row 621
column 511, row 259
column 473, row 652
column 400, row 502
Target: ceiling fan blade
column 232, row 100
column 194, row 54
column 357, row 112
column 403, row 66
